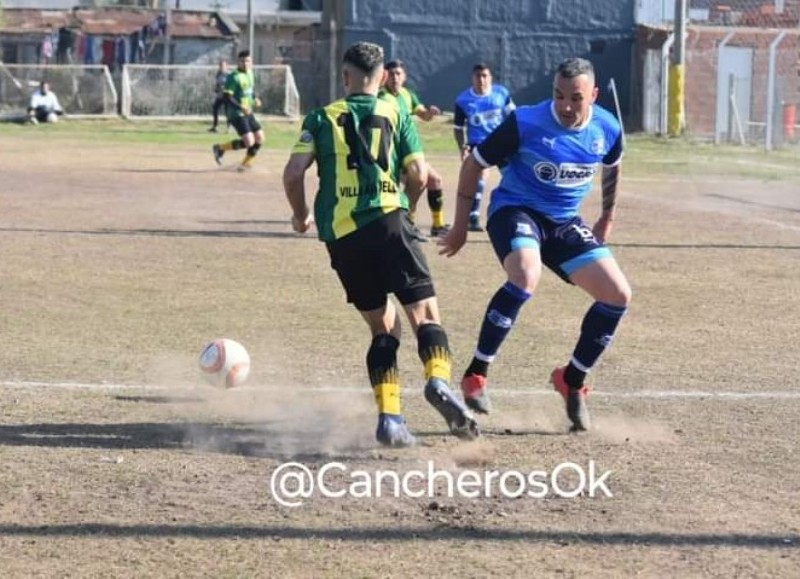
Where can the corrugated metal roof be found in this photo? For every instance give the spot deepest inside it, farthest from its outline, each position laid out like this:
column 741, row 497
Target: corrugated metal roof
column 109, row 22
column 113, row 22
column 25, row 21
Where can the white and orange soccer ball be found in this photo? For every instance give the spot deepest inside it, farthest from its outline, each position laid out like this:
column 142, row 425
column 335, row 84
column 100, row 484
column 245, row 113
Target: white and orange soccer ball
column 225, row 363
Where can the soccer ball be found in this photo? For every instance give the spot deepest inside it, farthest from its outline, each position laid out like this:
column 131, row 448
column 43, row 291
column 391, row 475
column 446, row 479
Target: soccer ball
column 225, row 363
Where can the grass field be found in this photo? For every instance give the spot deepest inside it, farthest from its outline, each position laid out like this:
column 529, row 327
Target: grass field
column 125, row 249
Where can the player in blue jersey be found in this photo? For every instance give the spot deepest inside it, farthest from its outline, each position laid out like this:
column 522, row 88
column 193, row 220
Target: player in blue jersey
column 551, row 152
column 479, row 110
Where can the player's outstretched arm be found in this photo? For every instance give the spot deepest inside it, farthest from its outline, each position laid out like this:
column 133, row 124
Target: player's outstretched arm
column 467, row 184
column 294, row 185
column 610, row 188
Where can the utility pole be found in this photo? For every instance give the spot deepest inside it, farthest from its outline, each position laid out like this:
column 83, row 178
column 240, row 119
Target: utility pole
column 250, row 28
column 677, row 74
column 167, row 31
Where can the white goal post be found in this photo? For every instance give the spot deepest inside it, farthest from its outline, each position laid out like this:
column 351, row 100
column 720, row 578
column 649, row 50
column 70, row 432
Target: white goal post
column 82, row 90
column 186, row 91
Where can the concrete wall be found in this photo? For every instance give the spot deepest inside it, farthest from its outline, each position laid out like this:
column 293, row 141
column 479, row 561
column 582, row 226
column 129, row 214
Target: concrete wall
column 522, row 40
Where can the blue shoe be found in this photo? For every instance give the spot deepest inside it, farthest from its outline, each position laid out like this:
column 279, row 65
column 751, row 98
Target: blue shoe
column 475, row 223
column 393, row 431
column 460, row 419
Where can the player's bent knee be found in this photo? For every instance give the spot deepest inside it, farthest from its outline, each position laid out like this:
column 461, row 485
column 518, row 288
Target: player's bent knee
column 626, row 294
column 525, row 281
column 523, row 270
column 619, row 294
column 434, row 179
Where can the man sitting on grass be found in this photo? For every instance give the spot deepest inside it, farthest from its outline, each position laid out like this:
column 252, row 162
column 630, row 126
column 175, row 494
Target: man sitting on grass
column 44, row 107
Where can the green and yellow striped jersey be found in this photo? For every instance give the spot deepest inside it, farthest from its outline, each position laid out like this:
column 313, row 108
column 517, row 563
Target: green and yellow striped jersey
column 407, row 100
column 361, row 145
column 242, row 86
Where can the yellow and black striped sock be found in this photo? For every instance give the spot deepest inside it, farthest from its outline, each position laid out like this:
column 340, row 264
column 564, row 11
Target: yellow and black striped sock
column 251, row 154
column 383, row 373
column 436, row 203
column 233, row 145
column 434, row 352
column 387, row 397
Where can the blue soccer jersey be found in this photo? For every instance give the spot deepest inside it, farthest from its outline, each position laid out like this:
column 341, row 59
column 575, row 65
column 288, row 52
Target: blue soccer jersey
column 548, row 167
column 482, row 114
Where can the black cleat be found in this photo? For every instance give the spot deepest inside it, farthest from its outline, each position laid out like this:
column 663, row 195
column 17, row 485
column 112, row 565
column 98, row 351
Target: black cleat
column 473, row 387
column 575, row 400
column 218, row 153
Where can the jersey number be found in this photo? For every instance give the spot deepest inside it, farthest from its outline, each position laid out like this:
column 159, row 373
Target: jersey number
column 584, row 232
column 372, row 129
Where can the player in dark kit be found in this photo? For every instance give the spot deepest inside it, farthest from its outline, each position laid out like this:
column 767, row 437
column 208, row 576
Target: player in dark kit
column 240, row 100
column 551, row 152
column 361, row 145
column 219, row 94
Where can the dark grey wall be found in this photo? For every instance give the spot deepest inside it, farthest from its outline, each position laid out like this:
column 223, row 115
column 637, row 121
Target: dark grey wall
column 522, row 40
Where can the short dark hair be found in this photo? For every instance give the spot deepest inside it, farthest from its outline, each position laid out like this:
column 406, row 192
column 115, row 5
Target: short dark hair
column 243, row 54
column 572, row 67
column 396, row 63
column 481, row 66
column 365, row 56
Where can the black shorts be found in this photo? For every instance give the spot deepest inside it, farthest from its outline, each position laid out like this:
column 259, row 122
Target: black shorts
column 245, row 124
column 564, row 247
column 43, row 114
column 383, row 257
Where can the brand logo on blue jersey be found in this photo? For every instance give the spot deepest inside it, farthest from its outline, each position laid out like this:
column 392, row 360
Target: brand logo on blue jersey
column 486, row 118
column 598, row 145
column 565, row 174
column 546, row 172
